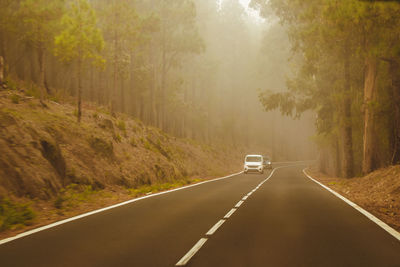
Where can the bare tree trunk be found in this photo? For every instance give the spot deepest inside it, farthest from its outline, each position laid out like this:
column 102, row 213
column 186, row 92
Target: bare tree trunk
column 153, row 93
column 162, row 122
column 41, row 58
column 79, row 90
column 114, row 89
column 91, row 93
column 369, row 97
column 347, row 130
column 1, row 70
column 395, row 76
column 122, row 102
column 116, row 51
column 3, row 55
column 163, row 110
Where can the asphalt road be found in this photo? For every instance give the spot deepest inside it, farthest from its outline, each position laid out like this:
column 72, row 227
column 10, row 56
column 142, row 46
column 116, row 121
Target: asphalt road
column 287, row 221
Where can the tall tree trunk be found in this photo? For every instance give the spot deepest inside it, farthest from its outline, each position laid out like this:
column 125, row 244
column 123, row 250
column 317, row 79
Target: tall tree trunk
column 42, row 82
column 122, row 102
column 116, row 51
column 114, row 89
column 79, row 90
column 369, row 97
column 3, row 54
column 153, row 93
column 347, row 130
column 163, row 110
column 395, row 76
column 1, row 70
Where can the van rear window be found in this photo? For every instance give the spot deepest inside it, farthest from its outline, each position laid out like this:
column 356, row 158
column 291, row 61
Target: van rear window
column 253, row 159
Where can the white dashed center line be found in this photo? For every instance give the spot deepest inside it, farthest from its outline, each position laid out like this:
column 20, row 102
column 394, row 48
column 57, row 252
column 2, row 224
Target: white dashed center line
column 239, row 204
column 229, row 213
column 185, row 259
column 215, row 227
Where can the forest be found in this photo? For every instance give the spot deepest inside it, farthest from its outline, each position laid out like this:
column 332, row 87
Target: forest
column 346, row 68
column 327, row 72
column 191, row 68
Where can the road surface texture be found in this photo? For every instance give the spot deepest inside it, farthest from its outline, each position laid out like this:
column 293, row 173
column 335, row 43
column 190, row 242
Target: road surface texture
column 244, row 220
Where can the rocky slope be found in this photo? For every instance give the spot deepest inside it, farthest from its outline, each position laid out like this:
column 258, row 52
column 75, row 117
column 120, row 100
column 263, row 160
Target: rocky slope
column 48, row 159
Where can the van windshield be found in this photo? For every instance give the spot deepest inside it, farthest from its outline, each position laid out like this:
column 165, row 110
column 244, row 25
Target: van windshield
column 253, row 159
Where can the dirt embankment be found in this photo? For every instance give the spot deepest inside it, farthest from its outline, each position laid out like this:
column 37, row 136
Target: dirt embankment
column 378, row 192
column 63, row 168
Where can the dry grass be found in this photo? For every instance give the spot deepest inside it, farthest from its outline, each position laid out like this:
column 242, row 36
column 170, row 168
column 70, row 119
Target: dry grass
column 64, row 168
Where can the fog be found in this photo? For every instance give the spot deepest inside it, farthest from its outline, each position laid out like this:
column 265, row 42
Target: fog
column 195, row 69
column 252, row 54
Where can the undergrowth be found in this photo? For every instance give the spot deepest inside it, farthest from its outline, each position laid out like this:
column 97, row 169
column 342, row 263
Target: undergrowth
column 14, row 215
column 74, row 195
column 154, row 188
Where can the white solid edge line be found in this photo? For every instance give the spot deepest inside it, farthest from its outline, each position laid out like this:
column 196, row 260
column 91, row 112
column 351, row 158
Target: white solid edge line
column 245, row 197
column 185, row 259
column 215, row 227
column 36, row 230
column 383, row 225
column 230, row 213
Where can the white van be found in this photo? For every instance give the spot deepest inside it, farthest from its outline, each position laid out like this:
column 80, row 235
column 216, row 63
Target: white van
column 254, row 163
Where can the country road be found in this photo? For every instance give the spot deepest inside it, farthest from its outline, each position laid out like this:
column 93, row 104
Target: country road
column 243, row 220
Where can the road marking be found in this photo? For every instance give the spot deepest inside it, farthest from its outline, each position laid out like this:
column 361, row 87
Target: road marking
column 185, row 259
column 196, row 248
column 239, row 204
column 245, row 197
column 33, row 231
column 230, row 213
column 383, row 225
column 215, row 227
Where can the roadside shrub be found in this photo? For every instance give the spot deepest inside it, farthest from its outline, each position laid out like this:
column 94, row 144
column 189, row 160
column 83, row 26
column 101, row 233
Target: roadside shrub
column 15, row 98
column 58, row 203
column 14, row 214
column 117, row 138
column 74, row 195
column 101, row 146
column 121, row 125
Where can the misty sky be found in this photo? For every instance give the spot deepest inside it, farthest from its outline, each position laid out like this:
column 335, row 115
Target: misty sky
column 249, row 11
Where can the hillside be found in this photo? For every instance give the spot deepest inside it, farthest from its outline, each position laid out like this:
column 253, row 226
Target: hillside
column 377, row 192
column 51, row 167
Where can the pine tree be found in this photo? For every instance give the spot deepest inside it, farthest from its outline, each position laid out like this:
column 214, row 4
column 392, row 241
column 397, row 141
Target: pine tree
column 40, row 21
column 81, row 40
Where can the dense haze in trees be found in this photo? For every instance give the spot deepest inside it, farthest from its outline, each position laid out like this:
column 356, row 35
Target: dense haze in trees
column 194, row 68
column 292, row 79
column 346, row 56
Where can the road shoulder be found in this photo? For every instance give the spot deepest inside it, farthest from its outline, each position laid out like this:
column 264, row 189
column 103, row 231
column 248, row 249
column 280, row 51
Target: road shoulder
column 378, row 193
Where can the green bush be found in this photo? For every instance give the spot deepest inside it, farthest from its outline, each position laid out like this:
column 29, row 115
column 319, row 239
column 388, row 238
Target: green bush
column 14, row 214
column 12, row 85
column 15, row 98
column 74, row 195
column 117, row 138
column 101, row 146
column 121, row 125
